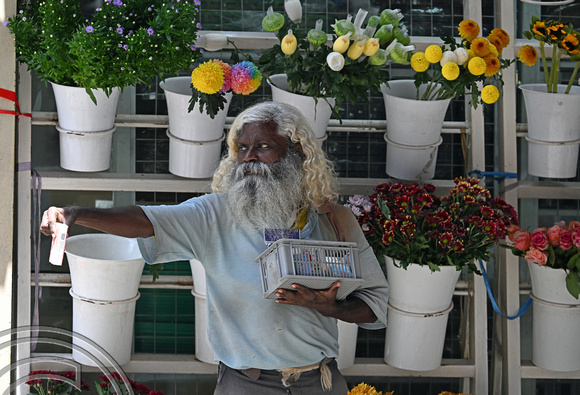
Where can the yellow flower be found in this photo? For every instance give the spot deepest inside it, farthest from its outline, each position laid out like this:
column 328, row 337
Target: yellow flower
column 450, row 71
column 419, row 62
column 492, row 65
column 289, row 43
column 489, row 94
column 356, row 49
column 477, row 66
column 539, row 28
column 371, row 47
column 468, row 29
column 528, row 55
column 493, row 50
column 341, row 43
column 569, row 42
column 208, row 77
column 480, row 46
column 365, row 389
column 471, row 55
column 555, row 31
column 502, row 35
column 433, row 53
column 496, row 42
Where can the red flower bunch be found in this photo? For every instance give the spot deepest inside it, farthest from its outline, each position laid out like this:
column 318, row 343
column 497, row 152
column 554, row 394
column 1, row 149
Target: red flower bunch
column 411, row 224
column 557, row 247
column 106, row 387
column 56, row 383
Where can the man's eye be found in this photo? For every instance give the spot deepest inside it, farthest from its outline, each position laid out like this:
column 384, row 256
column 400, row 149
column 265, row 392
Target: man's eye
column 240, row 148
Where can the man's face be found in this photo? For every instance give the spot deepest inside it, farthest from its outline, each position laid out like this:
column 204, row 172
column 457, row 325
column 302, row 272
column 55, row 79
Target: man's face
column 259, row 142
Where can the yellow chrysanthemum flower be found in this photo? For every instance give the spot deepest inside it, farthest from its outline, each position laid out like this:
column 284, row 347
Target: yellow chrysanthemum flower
column 433, row 53
column 493, row 50
column 489, row 94
column 208, row 77
column 503, row 36
column 364, row 389
column 480, row 46
column 492, row 65
column 471, row 55
column 528, row 55
column 468, row 29
column 450, row 71
column 496, row 42
column 477, row 66
column 419, row 62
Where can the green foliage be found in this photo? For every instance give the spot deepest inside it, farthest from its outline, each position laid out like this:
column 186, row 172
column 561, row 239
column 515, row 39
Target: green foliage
column 120, row 44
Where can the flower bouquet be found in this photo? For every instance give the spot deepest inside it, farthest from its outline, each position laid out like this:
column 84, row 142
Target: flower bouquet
column 557, row 247
column 410, row 224
column 344, row 65
column 120, row 44
column 211, row 80
column 366, row 389
column 454, row 69
column 564, row 41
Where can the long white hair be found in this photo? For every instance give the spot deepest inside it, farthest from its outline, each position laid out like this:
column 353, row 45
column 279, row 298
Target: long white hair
column 319, row 184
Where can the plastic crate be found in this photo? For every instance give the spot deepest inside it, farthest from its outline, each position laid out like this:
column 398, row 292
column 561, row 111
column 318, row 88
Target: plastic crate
column 313, row 264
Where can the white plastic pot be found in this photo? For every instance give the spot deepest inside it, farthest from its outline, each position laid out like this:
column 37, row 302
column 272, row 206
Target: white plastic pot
column 85, row 151
column 407, row 162
column 347, row 336
column 104, row 267
column 203, row 351
column 553, row 159
column 194, row 159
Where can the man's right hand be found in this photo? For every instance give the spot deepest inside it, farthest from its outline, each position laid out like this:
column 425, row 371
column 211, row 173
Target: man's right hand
column 52, row 216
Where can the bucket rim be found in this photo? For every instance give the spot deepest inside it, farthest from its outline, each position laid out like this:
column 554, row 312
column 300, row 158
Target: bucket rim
column 223, row 136
column 92, row 133
column 422, row 315
column 99, row 236
column 198, row 295
column 533, row 141
column 104, row 302
column 560, row 305
column 413, row 147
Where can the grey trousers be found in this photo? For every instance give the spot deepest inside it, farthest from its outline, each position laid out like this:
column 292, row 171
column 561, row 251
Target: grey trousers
column 269, row 382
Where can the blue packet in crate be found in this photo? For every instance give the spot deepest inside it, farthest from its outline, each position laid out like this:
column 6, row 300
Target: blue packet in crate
column 311, row 263
column 272, row 235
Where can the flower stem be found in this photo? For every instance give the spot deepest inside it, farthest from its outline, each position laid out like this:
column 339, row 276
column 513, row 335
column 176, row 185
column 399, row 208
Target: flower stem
column 555, row 69
column 573, row 77
column 545, row 65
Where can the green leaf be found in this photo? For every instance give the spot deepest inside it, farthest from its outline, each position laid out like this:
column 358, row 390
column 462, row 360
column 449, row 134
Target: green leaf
column 573, row 284
column 574, row 262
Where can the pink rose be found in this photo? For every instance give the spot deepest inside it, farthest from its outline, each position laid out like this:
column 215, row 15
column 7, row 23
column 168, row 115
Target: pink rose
column 565, row 239
column 576, row 239
column 539, row 239
column 554, row 235
column 521, row 239
column 574, row 226
column 536, row 256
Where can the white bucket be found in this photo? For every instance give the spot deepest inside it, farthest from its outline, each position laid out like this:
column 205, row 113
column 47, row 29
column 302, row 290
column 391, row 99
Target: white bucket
column 347, row 335
column 77, row 112
column 104, row 267
column 198, row 274
column 549, row 284
column 555, row 344
column 321, row 140
column 194, row 159
column 552, row 159
column 419, row 290
column 193, row 126
column 317, row 112
column 203, row 351
column 85, row 151
column 407, row 162
column 552, row 117
column 109, row 324
column 415, row 341
column 411, row 121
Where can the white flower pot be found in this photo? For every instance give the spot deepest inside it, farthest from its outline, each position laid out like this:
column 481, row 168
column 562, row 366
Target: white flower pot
column 549, row 284
column 317, row 112
column 85, row 151
column 203, row 351
column 109, row 327
column 552, row 159
column 78, row 113
column 104, row 267
column 192, row 126
column 414, row 341
column 411, row 121
column 194, row 159
column 411, row 162
column 347, row 336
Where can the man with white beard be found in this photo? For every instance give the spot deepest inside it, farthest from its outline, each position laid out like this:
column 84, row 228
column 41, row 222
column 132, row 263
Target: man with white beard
column 275, row 175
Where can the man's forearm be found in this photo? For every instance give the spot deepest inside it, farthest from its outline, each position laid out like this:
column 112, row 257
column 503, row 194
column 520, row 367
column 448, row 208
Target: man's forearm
column 128, row 221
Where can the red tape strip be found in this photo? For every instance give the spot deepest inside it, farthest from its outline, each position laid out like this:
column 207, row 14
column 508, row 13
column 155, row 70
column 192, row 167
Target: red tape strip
column 9, row 95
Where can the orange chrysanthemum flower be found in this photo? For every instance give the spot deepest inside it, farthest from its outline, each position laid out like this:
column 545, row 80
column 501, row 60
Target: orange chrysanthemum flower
column 539, row 29
column 496, row 42
column 468, row 29
column 492, row 65
column 528, row 55
column 503, row 36
column 480, row 46
column 570, row 43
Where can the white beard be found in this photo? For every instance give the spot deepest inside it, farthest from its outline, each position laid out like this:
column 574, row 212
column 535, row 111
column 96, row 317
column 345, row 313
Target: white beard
column 261, row 195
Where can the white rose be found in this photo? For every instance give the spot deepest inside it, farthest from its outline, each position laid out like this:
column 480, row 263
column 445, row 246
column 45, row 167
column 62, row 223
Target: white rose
column 448, row 56
column 335, row 61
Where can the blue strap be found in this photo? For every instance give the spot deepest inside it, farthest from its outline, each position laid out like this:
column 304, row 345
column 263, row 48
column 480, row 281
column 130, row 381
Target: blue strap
column 523, row 309
column 492, row 174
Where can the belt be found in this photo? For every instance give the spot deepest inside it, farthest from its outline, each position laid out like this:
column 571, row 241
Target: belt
column 291, row 375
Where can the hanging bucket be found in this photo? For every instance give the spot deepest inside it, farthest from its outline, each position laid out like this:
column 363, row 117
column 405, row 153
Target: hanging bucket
column 552, row 117
column 411, row 121
column 85, row 151
column 554, row 335
column 107, row 323
column 104, row 267
column 77, row 112
column 203, row 351
column 194, row 159
column 194, row 125
column 552, row 159
column 318, row 112
column 321, row 140
column 415, row 341
column 198, row 275
column 549, row 284
column 419, row 290
column 347, row 335
column 407, row 162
